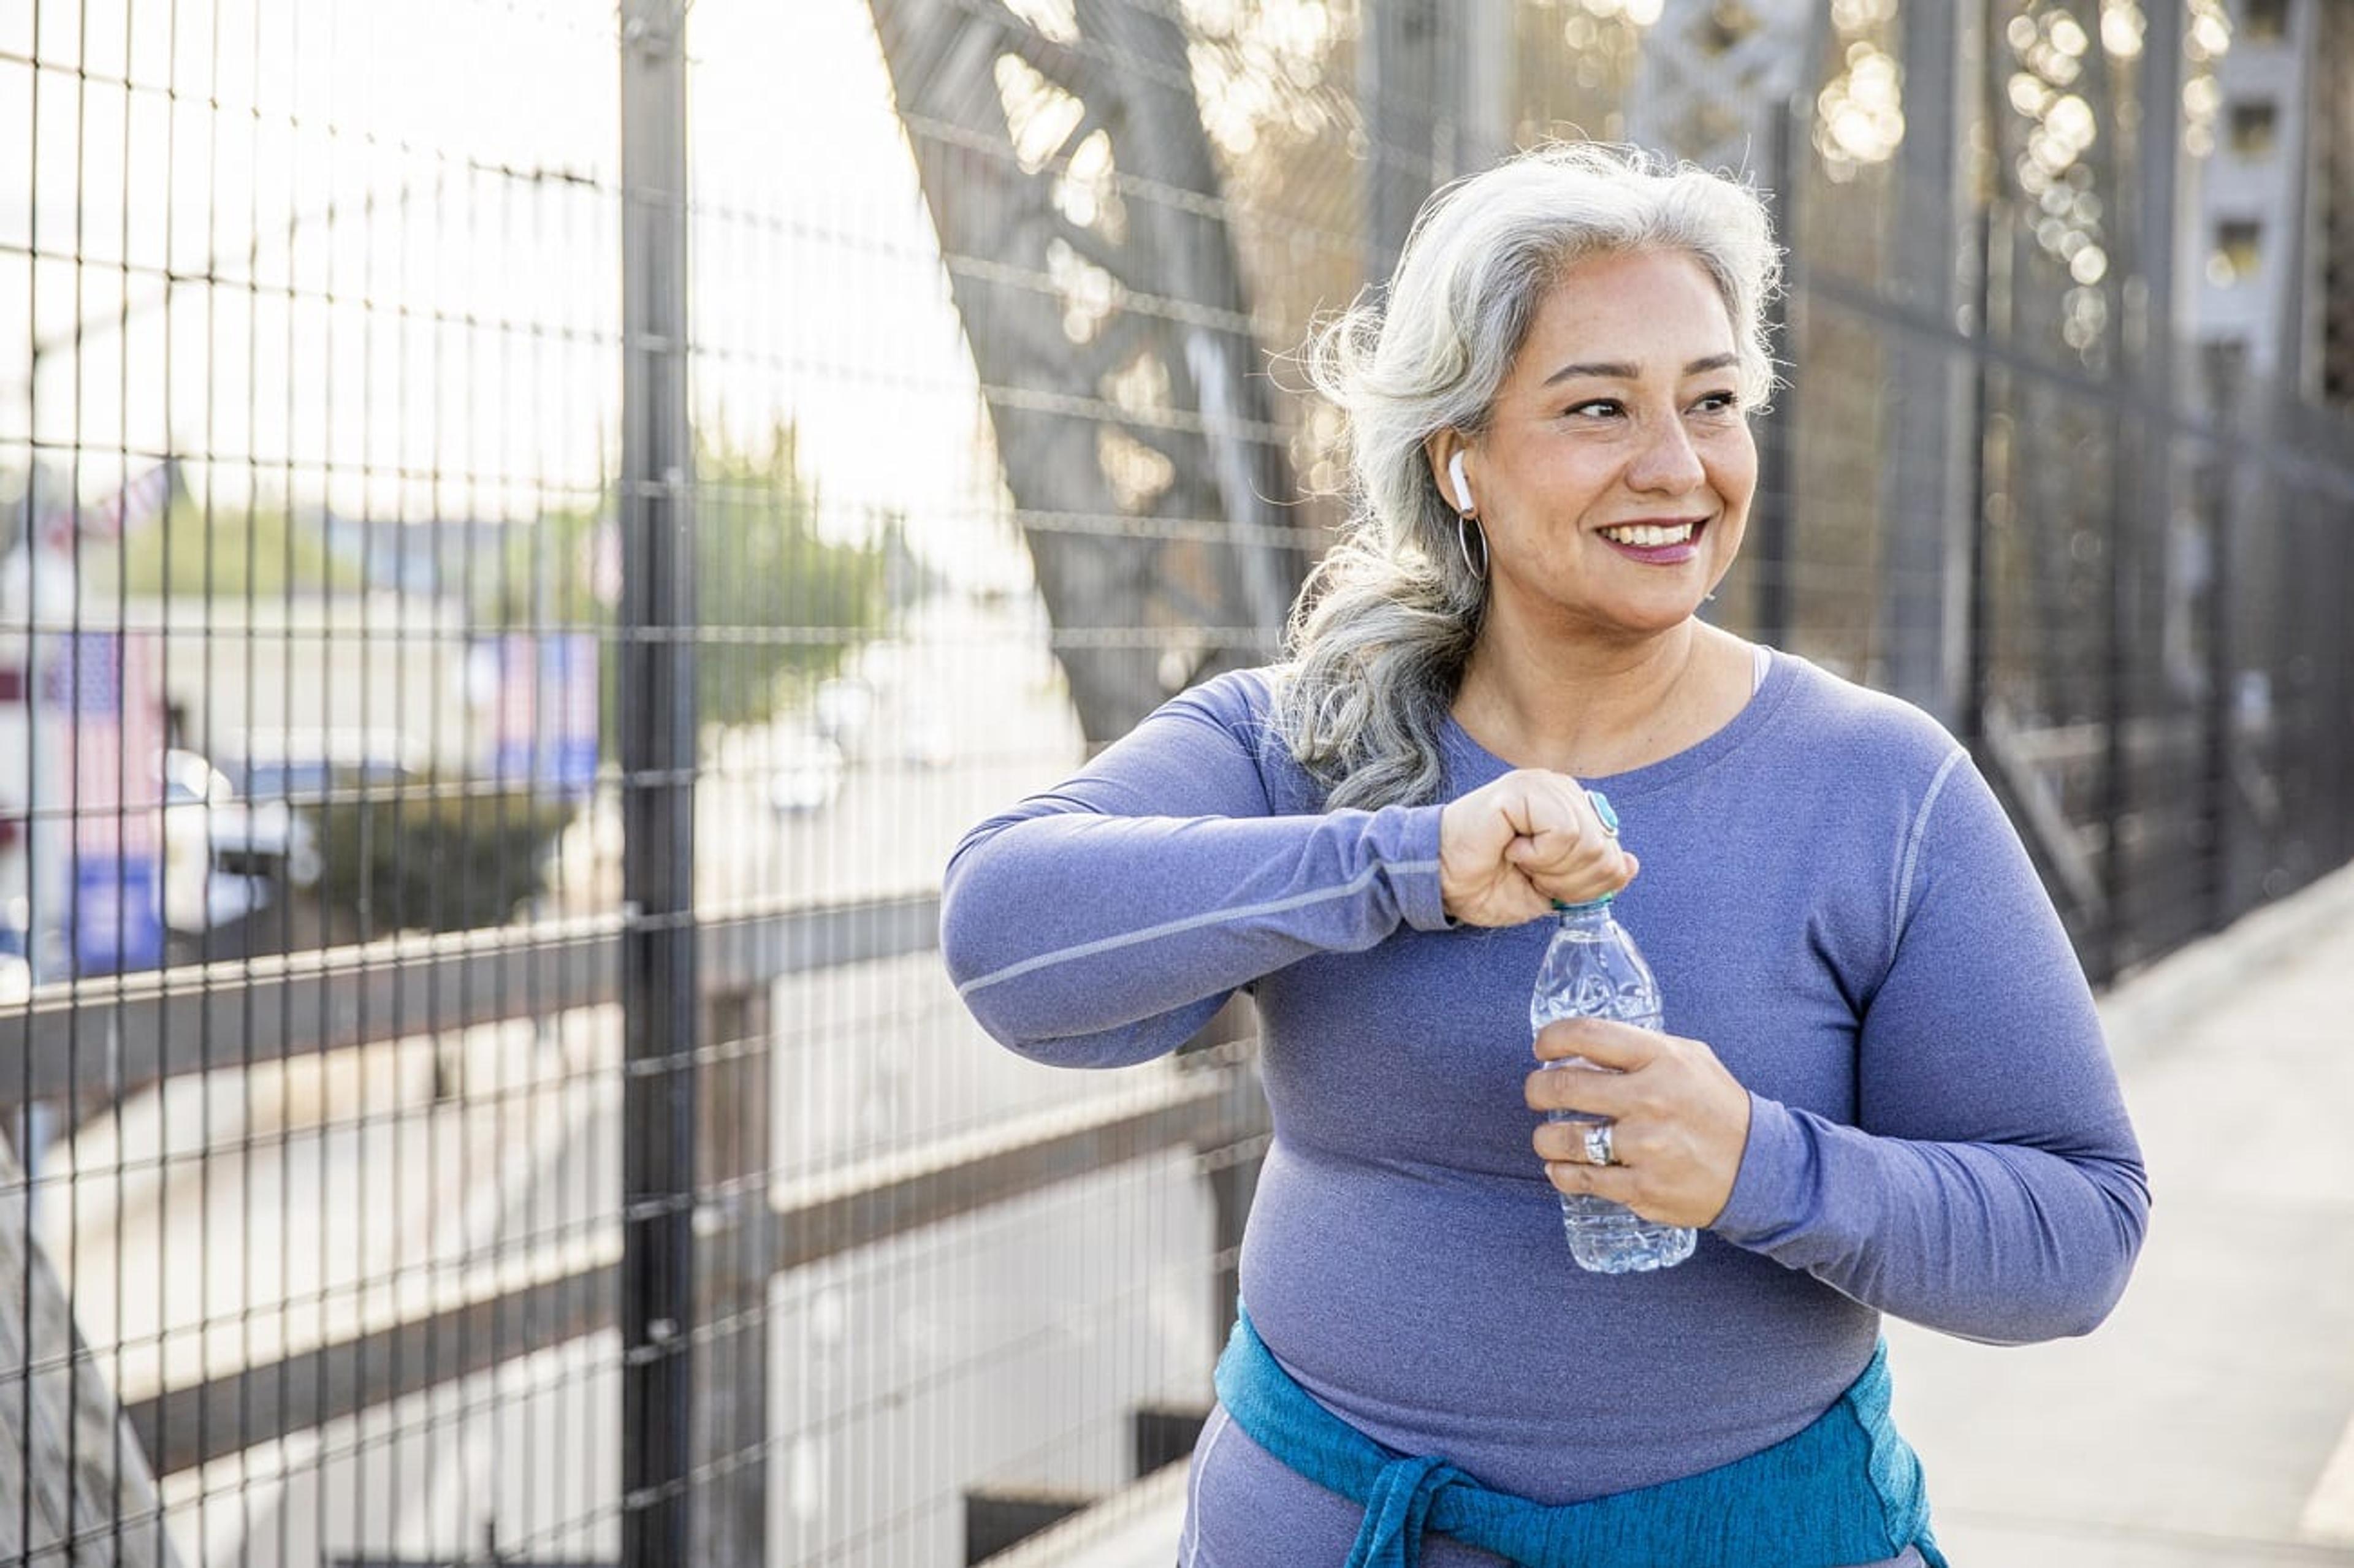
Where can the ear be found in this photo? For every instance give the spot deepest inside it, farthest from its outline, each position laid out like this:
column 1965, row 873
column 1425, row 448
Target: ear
column 1451, row 469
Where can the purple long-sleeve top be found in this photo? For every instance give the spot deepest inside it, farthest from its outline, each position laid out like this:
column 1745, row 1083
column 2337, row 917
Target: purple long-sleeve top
column 1830, row 897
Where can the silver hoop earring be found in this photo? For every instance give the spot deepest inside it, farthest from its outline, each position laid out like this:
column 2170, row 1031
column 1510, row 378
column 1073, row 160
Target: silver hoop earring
column 1465, row 530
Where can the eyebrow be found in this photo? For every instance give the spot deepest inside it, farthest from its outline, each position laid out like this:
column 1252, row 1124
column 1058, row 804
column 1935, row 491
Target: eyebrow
column 1616, row 372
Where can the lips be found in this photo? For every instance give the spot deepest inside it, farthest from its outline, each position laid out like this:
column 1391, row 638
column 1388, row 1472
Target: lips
column 1659, row 555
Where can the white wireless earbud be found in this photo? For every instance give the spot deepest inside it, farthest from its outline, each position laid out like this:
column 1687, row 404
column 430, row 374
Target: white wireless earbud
column 1462, row 485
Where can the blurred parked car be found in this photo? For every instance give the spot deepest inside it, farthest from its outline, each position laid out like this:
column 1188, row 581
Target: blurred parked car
column 843, row 707
column 925, row 738
column 805, row 771
column 311, row 768
column 222, row 854
column 16, row 964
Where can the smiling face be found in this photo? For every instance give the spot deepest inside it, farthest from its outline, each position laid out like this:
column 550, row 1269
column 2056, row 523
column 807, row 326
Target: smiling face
column 1615, row 476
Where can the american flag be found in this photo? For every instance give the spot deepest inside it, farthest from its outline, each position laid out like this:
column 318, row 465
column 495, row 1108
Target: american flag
column 126, row 512
column 104, row 686
column 134, row 506
column 547, row 712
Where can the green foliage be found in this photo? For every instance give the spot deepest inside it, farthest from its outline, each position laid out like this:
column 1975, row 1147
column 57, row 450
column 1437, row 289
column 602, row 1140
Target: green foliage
column 777, row 607
column 435, row 861
column 774, row 599
column 551, row 557
column 258, row 552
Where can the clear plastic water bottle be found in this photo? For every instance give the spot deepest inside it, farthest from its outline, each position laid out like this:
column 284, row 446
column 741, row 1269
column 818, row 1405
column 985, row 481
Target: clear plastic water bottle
column 1593, row 970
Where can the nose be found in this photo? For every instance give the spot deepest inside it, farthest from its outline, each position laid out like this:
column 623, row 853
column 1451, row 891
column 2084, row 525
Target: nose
column 1667, row 462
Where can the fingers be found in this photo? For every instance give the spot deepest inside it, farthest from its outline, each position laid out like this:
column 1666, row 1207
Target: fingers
column 1509, row 848
column 1604, row 1042
column 1560, row 843
column 1620, row 1183
column 1565, row 1142
column 1583, row 1091
column 1479, row 883
column 1681, row 1120
column 1587, row 872
column 1655, row 1187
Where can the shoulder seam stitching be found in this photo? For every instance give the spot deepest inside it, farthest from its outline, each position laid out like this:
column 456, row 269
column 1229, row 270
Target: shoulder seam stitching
column 1913, row 846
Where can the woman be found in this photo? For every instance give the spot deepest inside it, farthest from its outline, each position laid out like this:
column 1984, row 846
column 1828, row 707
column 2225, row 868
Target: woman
column 1882, row 1087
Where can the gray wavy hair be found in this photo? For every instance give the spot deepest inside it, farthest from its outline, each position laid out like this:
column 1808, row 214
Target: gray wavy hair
column 1379, row 637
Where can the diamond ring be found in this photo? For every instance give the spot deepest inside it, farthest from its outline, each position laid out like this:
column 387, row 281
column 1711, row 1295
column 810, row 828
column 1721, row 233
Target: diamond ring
column 1598, row 1144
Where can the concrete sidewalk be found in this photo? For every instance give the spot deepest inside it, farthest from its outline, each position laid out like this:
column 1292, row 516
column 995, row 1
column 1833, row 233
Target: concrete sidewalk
column 2210, row 1421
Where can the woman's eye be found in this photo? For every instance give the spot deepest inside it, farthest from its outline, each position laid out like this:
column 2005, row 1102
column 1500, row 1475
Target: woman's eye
column 1718, row 403
column 1599, row 406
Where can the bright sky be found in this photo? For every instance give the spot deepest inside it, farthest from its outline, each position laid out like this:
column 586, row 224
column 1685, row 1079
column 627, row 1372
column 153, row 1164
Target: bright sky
column 818, row 293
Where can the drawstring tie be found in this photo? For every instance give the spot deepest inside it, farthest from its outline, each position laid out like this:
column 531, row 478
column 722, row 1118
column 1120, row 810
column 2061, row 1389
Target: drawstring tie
column 1399, row 1510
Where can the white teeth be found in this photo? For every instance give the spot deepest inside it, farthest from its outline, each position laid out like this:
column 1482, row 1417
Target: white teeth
column 1648, row 538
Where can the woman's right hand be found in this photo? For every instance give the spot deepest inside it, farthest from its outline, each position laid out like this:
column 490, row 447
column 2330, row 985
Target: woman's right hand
column 1507, row 850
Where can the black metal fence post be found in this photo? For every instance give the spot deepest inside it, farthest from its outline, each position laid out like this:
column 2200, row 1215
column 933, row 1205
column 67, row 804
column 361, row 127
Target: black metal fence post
column 1921, row 601
column 1777, row 445
column 735, row 1258
column 657, row 719
column 2223, row 497
column 1402, row 90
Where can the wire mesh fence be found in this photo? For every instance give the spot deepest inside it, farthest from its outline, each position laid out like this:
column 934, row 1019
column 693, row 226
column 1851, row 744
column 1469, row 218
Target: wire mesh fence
column 532, row 530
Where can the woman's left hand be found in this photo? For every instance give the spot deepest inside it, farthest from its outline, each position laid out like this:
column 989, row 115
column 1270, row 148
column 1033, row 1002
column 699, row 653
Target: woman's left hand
column 1683, row 1121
